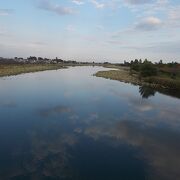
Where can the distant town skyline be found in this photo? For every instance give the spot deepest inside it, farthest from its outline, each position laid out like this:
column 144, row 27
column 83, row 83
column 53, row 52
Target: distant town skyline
column 86, row 30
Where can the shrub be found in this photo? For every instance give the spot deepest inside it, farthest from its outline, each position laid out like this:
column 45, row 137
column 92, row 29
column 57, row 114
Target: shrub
column 148, row 69
column 135, row 67
column 165, row 82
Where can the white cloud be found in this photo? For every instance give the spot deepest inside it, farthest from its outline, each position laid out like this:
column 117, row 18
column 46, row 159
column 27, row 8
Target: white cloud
column 60, row 10
column 97, row 4
column 149, row 23
column 78, row 2
column 138, row 2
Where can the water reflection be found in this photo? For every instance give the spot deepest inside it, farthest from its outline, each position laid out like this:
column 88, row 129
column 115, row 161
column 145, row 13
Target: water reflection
column 49, row 151
column 55, row 110
column 146, row 91
column 8, row 104
column 92, row 129
column 45, row 157
column 170, row 92
column 160, row 146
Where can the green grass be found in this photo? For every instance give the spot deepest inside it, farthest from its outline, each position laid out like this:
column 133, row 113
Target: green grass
column 15, row 69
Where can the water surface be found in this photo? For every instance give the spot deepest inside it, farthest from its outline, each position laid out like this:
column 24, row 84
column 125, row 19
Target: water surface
column 68, row 124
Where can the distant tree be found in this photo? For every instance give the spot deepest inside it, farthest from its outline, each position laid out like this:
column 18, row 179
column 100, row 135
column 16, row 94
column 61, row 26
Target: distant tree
column 174, row 70
column 145, row 61
column 136, row 61
column 126, row 63
column 135, row 65
column 32, row 58
column 148, row 69
column 40, row 58
column 46, row 59
column 161, row 62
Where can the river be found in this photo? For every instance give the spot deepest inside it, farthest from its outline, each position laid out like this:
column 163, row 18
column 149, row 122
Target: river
column 68, row 124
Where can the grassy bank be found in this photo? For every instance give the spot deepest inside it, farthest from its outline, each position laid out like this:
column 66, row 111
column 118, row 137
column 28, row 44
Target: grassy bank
column 164, row 82
column 156, row 82
column 122, row 75
column 15, row 69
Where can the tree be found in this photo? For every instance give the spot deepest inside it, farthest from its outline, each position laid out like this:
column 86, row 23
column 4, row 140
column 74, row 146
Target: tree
column 160, row 62
column 145, row 61
column 148, row 69
column 136, row 61
column 135, row 65
column 32, row 58
column 40, row 58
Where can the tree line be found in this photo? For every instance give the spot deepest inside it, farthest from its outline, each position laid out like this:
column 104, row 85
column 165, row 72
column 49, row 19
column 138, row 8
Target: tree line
column 147, row 68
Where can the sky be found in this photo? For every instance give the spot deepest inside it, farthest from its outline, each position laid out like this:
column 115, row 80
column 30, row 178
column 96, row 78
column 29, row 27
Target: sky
column 91, row 30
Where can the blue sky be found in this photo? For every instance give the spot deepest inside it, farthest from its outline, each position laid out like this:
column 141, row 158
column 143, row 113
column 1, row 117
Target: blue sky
column 100, row 30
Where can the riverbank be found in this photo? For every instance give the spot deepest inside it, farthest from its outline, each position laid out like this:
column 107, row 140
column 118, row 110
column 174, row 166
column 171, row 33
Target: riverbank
column 20, row 68
column 120, row 75
column 15, row 69
column 124, row 75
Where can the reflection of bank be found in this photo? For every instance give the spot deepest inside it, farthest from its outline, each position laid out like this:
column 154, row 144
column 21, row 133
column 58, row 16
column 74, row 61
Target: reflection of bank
column 146, row 91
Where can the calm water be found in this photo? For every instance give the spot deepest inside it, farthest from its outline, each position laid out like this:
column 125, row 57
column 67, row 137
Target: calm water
column 70, row 125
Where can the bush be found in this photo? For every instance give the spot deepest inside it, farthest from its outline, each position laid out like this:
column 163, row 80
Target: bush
column 148, row 69
column 165, row 82
column 135, row 67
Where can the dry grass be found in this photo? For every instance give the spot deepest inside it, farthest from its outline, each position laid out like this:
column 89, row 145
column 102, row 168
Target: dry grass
column 14, row 69
column 124, row 75
column 120, row 75
column 164, row 82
